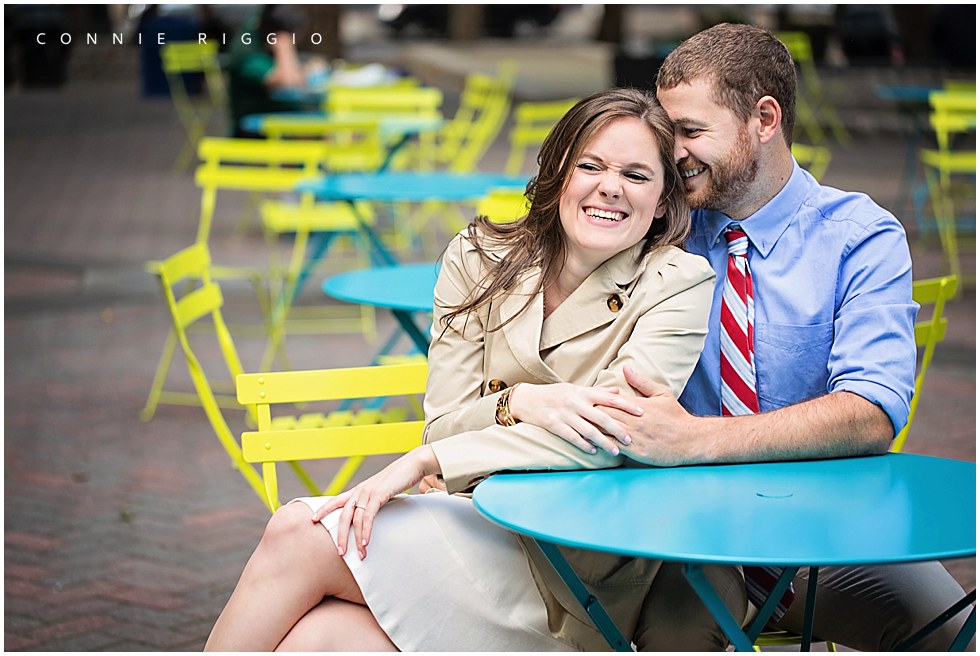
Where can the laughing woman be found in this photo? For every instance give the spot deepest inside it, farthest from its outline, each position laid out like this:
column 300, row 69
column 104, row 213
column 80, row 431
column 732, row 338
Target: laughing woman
column 533, row 324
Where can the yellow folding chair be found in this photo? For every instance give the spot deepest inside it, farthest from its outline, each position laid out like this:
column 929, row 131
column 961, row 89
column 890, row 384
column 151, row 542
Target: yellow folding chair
column 950, row 172
column 257, row 167
column 352, row 146
column 483, row 107
column 815, row 159
column 189, row 57
column 812, row 103
column 270, row 444
column 503, row 205
column 928, row 333
column 388, row 102
column 193, row 297
column 532, row 123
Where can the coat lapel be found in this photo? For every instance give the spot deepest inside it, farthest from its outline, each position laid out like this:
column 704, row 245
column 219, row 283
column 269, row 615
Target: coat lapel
column 523, row 334
column 588, row 307
column 585, row 310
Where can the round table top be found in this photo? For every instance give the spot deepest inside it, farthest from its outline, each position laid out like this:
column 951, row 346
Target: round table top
column 880, row 509
column 415, row 187
column 407, row 287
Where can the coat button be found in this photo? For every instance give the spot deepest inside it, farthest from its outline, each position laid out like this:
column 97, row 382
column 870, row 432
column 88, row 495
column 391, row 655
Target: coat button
column 615, row 303
column 496, row 385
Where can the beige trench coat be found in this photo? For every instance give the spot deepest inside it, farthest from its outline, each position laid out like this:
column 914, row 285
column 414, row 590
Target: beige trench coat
column 651, row 314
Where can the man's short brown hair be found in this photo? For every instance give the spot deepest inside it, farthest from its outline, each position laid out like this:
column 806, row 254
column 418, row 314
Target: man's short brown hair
column 744, row 63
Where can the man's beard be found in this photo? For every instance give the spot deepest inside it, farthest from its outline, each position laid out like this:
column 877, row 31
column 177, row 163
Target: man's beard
column 729, row 179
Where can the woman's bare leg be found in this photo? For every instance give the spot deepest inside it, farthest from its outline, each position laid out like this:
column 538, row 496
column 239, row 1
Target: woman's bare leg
column 337, row 625
column 292, row 569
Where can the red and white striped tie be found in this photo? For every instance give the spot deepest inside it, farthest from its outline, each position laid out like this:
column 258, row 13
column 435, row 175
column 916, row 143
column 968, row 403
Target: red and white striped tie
column 738, row 382
column 738, row 395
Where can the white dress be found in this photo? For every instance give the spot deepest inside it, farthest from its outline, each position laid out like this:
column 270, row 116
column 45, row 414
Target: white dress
column 438, row 576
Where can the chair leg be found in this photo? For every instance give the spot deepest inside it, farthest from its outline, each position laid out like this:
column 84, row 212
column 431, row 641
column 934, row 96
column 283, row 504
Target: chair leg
column 160, row 377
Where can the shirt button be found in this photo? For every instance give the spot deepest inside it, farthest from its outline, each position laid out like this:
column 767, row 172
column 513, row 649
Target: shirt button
column 615, row 303
column 496, row 385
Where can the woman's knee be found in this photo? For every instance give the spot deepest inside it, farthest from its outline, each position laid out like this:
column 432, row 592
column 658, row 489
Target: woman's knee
column 290, row 536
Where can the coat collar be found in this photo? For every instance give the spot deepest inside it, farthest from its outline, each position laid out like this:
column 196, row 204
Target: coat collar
column 586, row 309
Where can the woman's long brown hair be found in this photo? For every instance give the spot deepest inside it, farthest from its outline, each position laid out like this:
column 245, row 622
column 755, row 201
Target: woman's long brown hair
column 538, row 239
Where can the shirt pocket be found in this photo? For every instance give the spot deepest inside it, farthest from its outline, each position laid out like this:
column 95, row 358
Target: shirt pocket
column 791, row 362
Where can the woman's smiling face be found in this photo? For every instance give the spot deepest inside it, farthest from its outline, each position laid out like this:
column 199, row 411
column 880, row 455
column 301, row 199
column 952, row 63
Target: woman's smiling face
column 614, row 191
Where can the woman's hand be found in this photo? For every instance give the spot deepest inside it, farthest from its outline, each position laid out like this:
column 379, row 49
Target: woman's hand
column 569, row 411
column 362, row 502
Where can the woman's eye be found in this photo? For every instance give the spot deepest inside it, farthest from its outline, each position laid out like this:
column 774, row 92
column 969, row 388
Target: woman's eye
column 588, row 166
column 636, row 177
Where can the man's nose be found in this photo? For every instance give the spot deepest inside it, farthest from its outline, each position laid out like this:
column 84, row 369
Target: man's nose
column 680, row 148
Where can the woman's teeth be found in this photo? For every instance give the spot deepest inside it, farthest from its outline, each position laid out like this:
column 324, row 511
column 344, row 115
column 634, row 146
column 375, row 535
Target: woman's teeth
column 605, row 214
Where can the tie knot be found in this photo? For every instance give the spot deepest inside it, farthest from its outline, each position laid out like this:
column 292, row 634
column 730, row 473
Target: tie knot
column 738, row 243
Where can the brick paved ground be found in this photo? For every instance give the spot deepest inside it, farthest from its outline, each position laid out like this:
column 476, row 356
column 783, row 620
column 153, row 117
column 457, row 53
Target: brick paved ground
column 122, row 535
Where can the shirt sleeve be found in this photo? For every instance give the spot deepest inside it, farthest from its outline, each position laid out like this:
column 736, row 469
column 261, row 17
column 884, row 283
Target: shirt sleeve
column 873, row 352
column 665, row 345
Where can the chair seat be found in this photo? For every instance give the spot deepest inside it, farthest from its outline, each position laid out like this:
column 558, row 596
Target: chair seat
column 956, row 161
column 284, row 216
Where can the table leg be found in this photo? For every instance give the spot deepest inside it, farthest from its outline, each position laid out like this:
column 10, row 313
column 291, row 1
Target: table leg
column 383, row 253
column 588, row 601
column 769, row 606
column 966, row 633
column 811, row 600
column 962, row 638
column 742, row 641
column 319, row 244
column 408, row 325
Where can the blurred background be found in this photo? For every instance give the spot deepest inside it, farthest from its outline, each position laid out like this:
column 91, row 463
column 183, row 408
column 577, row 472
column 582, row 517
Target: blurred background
column 126, row 529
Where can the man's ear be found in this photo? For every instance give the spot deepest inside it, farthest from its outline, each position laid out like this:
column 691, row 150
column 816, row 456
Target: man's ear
column 770, row 118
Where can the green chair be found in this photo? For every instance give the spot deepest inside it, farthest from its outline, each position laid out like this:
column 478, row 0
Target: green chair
column 950, row 173
column 815, row 159
column 241, row 165
column 180, row 59
column 812, row 103
column 351, row 146
column 532, row 123
column 484, row 103
column 503, row 205
column 271, row 444
column 193, row 298
column 929, row 332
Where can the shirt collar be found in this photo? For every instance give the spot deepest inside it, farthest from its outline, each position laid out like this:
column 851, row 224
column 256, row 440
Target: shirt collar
column 768, row 223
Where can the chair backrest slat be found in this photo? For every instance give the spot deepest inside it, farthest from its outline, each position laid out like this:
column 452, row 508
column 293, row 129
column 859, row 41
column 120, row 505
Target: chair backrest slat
column 332, row 384
column 930, row 329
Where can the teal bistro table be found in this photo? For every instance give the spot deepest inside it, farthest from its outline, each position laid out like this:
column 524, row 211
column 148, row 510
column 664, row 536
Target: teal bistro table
column 892, row 508
column 406, row 290
column 407, row 187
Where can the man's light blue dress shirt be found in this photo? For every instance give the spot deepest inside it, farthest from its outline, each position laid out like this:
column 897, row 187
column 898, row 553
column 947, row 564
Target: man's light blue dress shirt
column 832, row 279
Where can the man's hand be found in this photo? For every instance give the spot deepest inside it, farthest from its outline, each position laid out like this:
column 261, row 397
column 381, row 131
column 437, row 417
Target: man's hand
column 664, row 434
column 575, row 413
